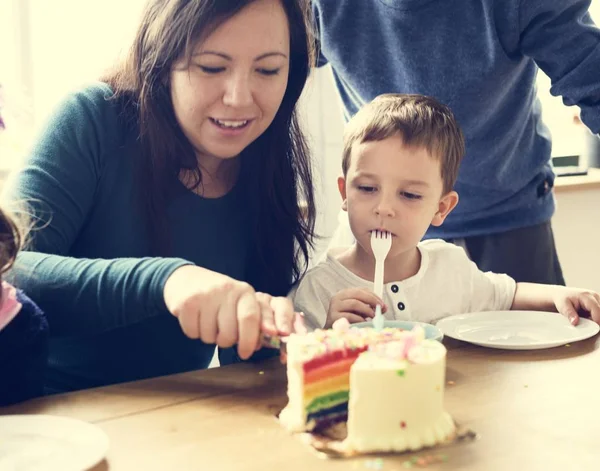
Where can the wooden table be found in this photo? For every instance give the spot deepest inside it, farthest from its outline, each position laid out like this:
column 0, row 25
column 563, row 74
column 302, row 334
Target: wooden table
column 536, row 410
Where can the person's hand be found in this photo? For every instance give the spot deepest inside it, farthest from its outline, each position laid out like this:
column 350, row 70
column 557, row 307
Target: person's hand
column 573, row 302
column 355, row 304
column 221, row 310
column 298, row 327
column 278, row 316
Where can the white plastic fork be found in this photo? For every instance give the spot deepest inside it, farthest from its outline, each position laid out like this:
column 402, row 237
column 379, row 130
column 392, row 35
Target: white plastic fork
column 381, row 242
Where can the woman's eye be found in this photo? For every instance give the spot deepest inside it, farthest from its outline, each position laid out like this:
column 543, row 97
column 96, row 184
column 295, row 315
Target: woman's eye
column 211, row 70
column 269, row 72
column 410, row 196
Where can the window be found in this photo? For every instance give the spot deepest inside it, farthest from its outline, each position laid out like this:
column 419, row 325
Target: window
column 48, row 48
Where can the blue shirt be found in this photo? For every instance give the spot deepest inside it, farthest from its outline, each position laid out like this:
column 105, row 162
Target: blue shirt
column 480, row 57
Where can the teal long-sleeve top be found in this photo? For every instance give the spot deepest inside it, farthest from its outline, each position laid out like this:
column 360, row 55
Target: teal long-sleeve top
column 88, row 265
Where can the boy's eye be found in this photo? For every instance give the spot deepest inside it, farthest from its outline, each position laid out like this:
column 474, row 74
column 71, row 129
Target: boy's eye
column 269, row 72
column 410, row 196
column 366, row 188
column 211, row 70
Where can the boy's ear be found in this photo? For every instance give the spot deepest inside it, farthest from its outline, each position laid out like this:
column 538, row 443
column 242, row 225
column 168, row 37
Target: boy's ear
column 342, row 188
column 447, row 203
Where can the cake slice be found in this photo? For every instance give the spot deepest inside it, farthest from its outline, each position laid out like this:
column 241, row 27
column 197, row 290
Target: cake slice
column 318, row 368
column 397, row 397
column 388, row 385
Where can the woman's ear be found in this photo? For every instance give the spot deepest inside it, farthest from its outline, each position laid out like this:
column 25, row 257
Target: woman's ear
column 447, row 203
column 342, row 188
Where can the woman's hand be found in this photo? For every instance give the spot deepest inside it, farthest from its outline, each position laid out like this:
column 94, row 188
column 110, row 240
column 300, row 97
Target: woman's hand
column 220, row 310
column 277, row 315
column 215, row 308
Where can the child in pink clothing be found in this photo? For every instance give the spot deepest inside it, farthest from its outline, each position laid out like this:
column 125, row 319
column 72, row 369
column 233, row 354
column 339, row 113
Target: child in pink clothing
column 23, row 328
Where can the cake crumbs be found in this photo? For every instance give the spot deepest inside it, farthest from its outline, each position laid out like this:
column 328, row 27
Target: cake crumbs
column 424, row 461
column 261, row 372
column 567, row 345
column 451, row 383
column 374, row 464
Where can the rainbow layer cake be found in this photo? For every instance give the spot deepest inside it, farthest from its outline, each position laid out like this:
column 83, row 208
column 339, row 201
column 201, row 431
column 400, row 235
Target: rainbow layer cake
column 388, row 385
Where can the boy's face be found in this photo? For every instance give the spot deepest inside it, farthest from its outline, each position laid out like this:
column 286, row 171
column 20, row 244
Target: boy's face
column 394, row 188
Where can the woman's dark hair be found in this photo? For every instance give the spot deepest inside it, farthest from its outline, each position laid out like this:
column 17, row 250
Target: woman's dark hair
column 276, row 167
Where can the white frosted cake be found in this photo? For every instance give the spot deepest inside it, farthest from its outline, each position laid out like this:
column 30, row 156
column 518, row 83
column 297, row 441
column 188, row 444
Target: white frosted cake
column 388, row 385
column 397, row 397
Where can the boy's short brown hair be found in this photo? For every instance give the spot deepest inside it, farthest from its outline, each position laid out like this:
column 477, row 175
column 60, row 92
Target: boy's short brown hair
column 420, row 121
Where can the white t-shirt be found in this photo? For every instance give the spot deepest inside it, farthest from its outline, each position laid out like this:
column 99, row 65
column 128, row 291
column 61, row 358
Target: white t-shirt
column 447, row 283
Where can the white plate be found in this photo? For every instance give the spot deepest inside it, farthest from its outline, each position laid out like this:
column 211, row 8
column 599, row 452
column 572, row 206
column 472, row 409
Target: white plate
column 49, row 443
column 516, row 330
column 431, row 331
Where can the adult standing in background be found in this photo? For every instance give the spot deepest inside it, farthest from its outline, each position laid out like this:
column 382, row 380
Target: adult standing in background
column 481, row 58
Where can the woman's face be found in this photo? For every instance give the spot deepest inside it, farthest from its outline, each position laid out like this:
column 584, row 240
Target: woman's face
column 237, row 78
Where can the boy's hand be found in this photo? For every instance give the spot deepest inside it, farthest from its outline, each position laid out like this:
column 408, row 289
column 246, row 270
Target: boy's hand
column 355, row 304
column 571, row 302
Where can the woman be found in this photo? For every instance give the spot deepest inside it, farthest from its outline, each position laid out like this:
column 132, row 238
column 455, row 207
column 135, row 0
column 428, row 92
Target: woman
column 167, row 197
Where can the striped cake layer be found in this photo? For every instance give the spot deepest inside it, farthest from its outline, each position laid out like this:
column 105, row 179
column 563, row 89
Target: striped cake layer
column 326, row 402
column 328, row 371
column 326, row 386
column 332, row 357
column 318, row 373
column 328, row 409
column 332, row 415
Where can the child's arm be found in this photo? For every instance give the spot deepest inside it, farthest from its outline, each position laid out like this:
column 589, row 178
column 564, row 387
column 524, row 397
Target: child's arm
column 568, row 301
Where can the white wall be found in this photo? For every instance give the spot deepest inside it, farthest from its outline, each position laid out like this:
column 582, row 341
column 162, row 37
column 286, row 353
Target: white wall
column 323, row 119
column 49, row 47
column 70, row 48
column 576, row 226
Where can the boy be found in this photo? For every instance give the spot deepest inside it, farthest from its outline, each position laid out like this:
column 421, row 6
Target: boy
column 400, row 162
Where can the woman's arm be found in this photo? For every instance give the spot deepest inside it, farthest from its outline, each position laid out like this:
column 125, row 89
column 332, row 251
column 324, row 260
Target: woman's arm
column 83, row 296
column 60, row 186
